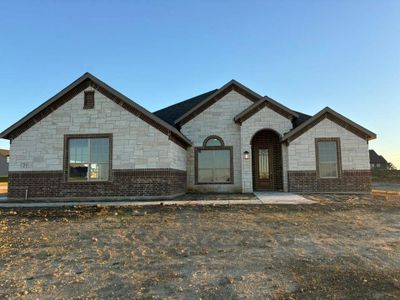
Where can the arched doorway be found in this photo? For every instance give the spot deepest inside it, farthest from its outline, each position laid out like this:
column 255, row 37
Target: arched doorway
column 267, row 161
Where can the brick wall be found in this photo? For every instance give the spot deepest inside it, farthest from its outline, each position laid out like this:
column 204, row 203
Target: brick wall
column 348, row 181
column 134, row 183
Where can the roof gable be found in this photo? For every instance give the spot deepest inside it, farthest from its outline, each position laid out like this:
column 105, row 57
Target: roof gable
column 232, row 85
column 78, row 86
column 260, row 104
column 334, row 117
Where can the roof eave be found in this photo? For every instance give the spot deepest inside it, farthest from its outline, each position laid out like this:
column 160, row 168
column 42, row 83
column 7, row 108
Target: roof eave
column 369, row 135
column 87, row 76
column 231, row 82
column 244, row 115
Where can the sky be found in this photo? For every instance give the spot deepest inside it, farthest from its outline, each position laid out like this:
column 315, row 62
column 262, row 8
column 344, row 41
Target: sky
column 304, row 54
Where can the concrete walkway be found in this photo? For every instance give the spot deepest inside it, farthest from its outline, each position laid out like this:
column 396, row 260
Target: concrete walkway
column 263, row 198
column 281, row 198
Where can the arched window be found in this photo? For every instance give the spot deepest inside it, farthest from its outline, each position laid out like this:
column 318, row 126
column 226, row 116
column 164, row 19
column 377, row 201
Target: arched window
column 213, row 162
column 213, row 141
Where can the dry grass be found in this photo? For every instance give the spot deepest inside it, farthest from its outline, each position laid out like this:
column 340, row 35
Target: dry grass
column 343, row 247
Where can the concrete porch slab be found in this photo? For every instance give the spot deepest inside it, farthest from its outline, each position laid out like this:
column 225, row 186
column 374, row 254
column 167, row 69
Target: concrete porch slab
column 281, row 198
column 262, row 198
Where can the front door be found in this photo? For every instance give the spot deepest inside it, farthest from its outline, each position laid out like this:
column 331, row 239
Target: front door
column 266, row 161
column 262, row 167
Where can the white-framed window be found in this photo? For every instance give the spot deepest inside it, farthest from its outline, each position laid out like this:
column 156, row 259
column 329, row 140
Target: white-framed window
column 88, row 159
column 327, row 157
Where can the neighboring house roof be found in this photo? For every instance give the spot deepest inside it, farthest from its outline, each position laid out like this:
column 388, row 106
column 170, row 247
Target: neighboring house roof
column 78, row 86
column 260, row 104
column 4, row 152
column 171, row 113
column 375, row 158
column 214, row 97
column 333, row 116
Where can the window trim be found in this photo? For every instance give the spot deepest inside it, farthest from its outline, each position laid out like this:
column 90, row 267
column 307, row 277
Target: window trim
column 67, row 137
column 213, row 137
column 338, row 156
column 204, row 147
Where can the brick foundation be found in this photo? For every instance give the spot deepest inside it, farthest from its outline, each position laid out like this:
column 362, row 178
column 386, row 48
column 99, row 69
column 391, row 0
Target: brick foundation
column 349, row 181
column 136, row 183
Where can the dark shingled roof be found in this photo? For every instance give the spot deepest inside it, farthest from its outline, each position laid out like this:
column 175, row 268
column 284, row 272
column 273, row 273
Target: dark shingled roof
column 173, row 112
column 375, row 158
column 300, row 119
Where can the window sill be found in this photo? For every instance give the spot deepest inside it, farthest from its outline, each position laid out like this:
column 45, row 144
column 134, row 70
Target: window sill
column 214, row 183
column 88, row 181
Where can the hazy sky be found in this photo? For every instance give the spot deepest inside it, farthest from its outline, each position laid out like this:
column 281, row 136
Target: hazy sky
column 304, row 54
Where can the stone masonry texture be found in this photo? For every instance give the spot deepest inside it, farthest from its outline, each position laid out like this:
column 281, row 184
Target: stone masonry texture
column 136, row 144
column 217, row 120
column 145, row 162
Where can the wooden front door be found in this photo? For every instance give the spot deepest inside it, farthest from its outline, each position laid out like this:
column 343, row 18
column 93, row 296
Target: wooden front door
column 262, row 168
column 267, row 161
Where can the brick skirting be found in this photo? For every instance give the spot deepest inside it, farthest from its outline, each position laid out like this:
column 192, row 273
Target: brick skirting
column 123, row 183
column 348, row 181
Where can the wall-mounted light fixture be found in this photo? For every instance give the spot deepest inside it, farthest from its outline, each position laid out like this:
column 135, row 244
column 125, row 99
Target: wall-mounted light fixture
column 246, row 155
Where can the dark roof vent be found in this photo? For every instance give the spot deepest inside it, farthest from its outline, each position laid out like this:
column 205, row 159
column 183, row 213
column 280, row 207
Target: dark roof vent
column 89, row 100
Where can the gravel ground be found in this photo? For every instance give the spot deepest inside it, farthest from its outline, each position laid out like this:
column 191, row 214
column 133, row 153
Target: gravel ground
column 344, row 247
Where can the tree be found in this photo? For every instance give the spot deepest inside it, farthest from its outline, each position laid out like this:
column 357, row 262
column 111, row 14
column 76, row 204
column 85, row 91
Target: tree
column 391, row 166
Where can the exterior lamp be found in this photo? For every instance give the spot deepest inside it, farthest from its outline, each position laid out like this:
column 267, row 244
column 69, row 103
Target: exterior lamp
column 246, row 155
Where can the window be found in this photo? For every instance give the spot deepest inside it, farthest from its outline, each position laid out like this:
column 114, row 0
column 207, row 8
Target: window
column 263, row 166
column 88, row 100
column 327, row 158
column 8, row 159
column 213, row 141
column 88, row 159
column 213, row 162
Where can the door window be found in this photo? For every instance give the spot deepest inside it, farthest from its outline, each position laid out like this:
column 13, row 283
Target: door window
column 263, row 166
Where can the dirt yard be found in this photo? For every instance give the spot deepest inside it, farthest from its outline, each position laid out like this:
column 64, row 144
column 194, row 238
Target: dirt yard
column 345, row 247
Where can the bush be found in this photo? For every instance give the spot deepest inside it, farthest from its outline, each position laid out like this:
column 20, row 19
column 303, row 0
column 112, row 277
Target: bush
column 386, row 175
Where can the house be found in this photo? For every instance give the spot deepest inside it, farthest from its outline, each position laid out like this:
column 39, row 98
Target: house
column 89, row 140
column 4, row 158
column 377, row 162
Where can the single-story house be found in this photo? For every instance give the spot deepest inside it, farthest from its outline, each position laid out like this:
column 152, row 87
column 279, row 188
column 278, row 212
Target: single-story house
column 4, row 158
column 89, row 140
column 377, row 162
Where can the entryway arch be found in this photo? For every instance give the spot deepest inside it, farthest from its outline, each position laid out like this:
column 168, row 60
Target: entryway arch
column 267, row 161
